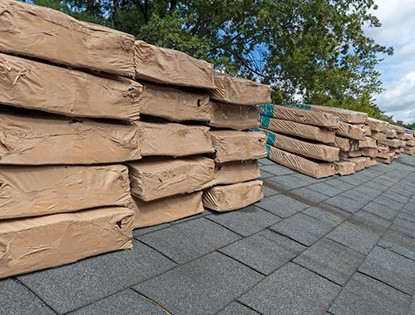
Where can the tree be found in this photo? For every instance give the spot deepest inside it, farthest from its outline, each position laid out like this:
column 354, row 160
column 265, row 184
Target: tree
column 314, row 51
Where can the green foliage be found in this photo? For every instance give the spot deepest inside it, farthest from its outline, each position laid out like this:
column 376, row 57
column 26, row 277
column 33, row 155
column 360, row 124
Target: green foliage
column 313, row 51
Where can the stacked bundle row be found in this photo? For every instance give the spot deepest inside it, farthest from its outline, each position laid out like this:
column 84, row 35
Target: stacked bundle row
column 318, row 141
column 95, row 138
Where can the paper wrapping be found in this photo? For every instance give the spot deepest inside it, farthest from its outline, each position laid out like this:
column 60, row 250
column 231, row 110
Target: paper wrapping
column 355, row 153
column 239, row 91
column 360, row 163
column 157, row 179
column 232, row 116
column 50, row 241
column 298, row 130
column 166, row 209
column 409, row 136
column 410, row 143
column 350, row 131
column 344, row 144
column 378, row 125
column 34, row 85
column 409, row 150
column 233, row 197
column 344, row 115
column 42, row 190
column 399, row 129
column 238, row 145
column 368, row 143
column 393, row 143
column 174, row 104
column 235, row 172
column 307, row 117
column 44, row 33
column 169, row 66
column 370, row 152
column 380, row 136
column 312, row 150
column 44, row 141
column 170, row 139
column 344, row 168
column 391, row 133
column 300, row 164
column 367, row 130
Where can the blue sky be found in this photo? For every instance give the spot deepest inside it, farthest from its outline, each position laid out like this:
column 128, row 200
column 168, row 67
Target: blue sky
column 398, row 71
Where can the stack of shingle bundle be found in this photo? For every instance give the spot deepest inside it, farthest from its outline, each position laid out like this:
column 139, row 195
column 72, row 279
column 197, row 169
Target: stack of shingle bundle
column 64, row 133
column 301, row 139
column 387, row 139
column 237, row 149
column 353, row 138
column 409, row 143
column 166, row 184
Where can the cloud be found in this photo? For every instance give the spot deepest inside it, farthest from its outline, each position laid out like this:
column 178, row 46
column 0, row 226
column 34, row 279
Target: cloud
column 398, row 71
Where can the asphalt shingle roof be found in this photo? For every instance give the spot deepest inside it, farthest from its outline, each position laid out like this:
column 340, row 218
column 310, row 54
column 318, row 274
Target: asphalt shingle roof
column 342, row 245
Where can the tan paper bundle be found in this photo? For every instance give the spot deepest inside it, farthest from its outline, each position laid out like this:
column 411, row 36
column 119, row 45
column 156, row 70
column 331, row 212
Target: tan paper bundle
column 238, row 145
column 157, row 178
column 174, row 104
column 370, row 152
column 41, row 190
column 169, row 66
column 298, row 130
column 34, row 85
column 237, row 117
column 380, row 136
column 409, row 136
column 410, row 143
column 42, row 141
column 236, row 172
column 393, row 143
column 360, row 163
column 316, row 151
column 307, row 117
column 344, row 115
column 233, row 197
column 344, row 168
column 59, row 239
column 399, row 129
column 368, row 143
column 166, row 209
column 44, row 33
column 378, row 125
column 170, row 139
column 355, row 153
column 343, row 144
column 350, row 131
column 409, row 150
column 301, row 164
column 239, row 91
column 391, row 133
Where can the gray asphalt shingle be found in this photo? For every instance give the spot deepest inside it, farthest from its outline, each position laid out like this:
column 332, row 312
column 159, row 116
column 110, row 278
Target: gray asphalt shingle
column 390, row 268
column 282, row 206
column 291, row 290
column 264, row 252
column 73, row 286
column 303, row 228
column 124, row 303
column 15, row 299
column 364, row 295
column 331, row 260
column 203, row 286
column 246, row 221
column 189, row 240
